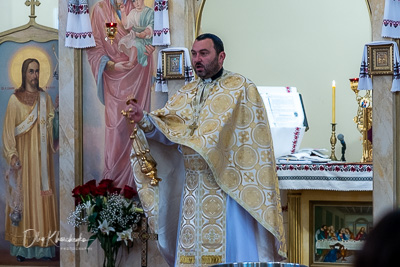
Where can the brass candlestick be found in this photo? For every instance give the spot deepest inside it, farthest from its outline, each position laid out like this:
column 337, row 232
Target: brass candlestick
column 363, row 119
column 333, row 142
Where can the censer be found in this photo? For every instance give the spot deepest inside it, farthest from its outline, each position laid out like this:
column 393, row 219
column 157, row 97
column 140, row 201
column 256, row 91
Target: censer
column 142, row 151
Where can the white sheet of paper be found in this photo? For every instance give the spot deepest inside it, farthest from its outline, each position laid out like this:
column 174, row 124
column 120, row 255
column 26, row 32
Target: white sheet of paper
column 286, row 117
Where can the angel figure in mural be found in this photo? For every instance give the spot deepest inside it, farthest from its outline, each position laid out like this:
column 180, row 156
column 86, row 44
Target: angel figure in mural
column 29, row 143
column 118, row 78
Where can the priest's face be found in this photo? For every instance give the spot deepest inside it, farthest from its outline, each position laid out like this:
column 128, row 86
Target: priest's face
column 32, row 76
column 205, row 61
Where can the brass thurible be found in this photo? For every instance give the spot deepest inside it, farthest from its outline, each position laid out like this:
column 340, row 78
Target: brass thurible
column 142, row 153
column 333, row 142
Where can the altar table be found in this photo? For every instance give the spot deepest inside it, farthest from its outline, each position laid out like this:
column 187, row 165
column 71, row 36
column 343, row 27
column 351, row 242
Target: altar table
column 325, row 176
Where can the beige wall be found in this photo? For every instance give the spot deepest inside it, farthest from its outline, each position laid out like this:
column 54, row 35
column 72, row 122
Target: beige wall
column 305, row 44
column 15, row 13
column 279, row 43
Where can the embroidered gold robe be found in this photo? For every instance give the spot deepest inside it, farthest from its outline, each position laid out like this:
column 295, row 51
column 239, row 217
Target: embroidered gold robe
column 234, row 141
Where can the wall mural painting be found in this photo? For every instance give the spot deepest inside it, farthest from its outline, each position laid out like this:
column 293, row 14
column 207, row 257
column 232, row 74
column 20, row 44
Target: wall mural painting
column 31, row 176
column 120, row 67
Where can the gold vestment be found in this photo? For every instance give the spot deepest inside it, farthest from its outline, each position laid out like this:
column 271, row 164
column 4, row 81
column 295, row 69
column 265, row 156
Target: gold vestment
column 233, row 138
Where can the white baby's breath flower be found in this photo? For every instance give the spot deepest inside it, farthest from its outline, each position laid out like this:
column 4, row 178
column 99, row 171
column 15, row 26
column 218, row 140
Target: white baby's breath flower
column 75, row 218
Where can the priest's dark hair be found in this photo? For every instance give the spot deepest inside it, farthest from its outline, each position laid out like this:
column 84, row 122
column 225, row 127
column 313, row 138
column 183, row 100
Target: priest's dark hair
column 218, row 44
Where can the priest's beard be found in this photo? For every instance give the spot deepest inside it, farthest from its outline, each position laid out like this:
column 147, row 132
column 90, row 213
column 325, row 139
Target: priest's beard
column 209, row 70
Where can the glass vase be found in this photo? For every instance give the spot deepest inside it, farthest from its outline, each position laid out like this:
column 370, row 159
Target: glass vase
column 110, row 249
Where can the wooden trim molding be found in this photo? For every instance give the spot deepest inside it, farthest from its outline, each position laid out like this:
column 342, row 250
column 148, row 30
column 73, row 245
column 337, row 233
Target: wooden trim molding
column 294, row 231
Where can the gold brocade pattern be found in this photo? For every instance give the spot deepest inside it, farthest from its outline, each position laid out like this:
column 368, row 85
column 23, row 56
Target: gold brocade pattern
column 234, row 140
column 202, row 229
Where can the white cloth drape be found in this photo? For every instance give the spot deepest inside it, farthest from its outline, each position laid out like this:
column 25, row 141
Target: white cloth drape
column 161, row 82
column 161, row 23
column 365, row 81
column 79, row 30
column 321, row 176
column 391, row 19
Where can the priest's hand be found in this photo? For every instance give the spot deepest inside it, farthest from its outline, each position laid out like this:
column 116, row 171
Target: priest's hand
column 133, row 111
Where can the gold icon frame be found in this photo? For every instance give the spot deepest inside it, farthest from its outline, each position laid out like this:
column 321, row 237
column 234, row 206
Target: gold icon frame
column 380, row 59
column 173, row 64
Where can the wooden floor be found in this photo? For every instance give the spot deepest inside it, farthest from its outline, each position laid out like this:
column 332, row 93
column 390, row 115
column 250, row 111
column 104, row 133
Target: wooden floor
column 7, row 260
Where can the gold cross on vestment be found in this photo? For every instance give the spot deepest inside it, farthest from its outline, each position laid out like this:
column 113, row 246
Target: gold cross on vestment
column 193, row 128
column 32, row 3
column 143, row 235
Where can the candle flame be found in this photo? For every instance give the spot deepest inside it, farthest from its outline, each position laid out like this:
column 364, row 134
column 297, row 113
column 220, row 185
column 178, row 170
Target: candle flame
column 333, row 83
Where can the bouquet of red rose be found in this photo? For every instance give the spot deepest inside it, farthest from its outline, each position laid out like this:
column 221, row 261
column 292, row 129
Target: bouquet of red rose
column 109, row 214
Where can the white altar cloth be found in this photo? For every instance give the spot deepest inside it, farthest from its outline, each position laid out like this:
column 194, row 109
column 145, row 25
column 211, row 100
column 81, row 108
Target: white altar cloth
column 325, row 176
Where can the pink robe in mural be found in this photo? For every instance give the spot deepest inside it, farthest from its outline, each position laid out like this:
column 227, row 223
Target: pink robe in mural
column 114, row 88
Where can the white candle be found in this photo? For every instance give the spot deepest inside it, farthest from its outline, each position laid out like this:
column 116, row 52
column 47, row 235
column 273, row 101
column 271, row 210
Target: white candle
column 333, row 100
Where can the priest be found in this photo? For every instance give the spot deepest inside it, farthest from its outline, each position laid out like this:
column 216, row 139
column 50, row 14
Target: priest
column 218, row 200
